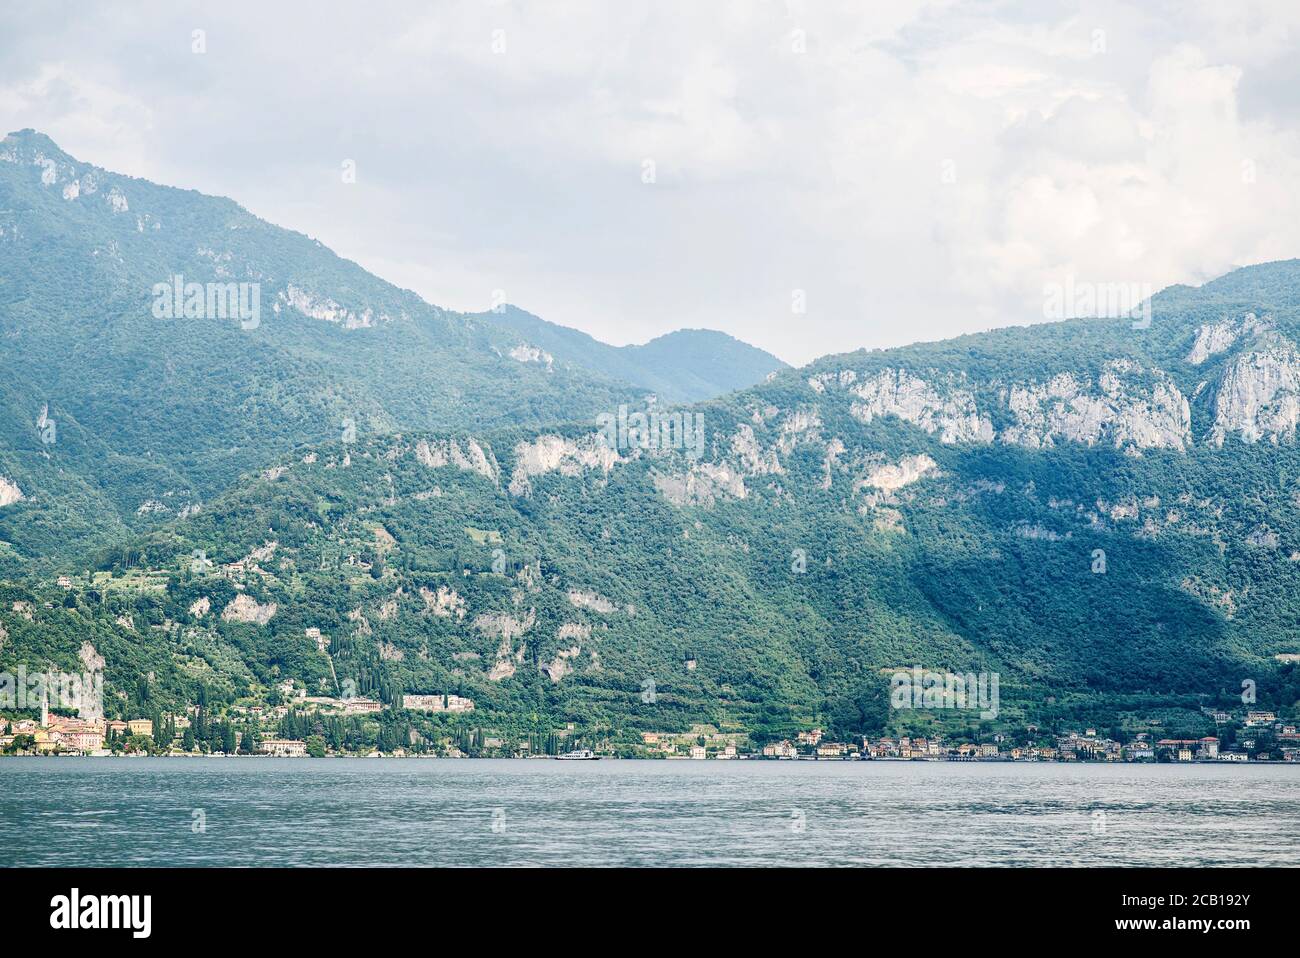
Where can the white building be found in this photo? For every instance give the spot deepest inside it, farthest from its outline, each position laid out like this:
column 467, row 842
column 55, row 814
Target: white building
column 437, row 703
column 284, row 748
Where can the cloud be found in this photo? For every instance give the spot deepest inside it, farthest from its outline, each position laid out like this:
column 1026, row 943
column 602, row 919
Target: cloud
column 916, row 169
column 1174, row 188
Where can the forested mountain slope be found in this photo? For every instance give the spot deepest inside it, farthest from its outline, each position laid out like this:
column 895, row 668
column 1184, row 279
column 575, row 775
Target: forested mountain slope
column 124, row 408
column 1105, row 516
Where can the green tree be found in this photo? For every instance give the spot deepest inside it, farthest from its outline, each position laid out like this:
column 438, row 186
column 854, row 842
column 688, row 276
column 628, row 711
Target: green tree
column 863, row 710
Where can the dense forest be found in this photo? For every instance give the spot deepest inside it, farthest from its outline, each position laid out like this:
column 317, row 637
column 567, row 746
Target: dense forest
column 1103, row 514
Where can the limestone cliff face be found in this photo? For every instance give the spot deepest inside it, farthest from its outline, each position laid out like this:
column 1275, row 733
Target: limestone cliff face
column 799, row 426
column 9, row 492
column 445, row 603
column 949, row 411
column 1214, row 338
column 885, row 481
column 244, row 608
column 569, row 457
column 1122, row 410
column 1128, row 407
column 321, row 307
column 893, row 476
column 463, row 454
column 1259, row 394
column 754, row 459
column 594, row 601
column 524, row 353
column 507, row 628
column 560, row 666
column 701, row 485
column 746, row 454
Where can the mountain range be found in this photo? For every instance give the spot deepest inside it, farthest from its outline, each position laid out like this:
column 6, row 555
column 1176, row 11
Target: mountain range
column 1103, row 512
column 688, row 365
column 153, row 414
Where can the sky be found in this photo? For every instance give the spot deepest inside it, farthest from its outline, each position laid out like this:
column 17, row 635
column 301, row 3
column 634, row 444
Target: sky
column 812, row 178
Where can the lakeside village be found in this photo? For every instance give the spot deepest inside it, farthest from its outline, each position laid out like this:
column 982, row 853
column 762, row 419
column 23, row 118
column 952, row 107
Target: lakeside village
column 301, row 725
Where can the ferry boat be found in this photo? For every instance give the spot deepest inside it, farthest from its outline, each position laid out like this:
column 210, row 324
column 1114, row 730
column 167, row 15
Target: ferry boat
column 578, row 755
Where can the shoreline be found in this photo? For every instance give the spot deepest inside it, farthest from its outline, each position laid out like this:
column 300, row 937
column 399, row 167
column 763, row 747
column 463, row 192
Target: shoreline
column 620, row 758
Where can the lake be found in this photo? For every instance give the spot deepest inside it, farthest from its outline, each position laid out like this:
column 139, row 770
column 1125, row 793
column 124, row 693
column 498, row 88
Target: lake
column 352, row 812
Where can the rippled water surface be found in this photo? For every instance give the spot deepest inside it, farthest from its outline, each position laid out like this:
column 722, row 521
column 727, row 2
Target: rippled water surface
column 445, row 812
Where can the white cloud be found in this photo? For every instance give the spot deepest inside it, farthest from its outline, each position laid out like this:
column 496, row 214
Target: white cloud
column 1161, row 193
column 920, row 170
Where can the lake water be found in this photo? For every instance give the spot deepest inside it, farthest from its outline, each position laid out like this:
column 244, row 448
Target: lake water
column 445, row 812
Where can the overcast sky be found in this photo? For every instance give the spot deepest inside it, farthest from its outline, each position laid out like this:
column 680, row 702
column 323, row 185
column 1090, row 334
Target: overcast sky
column 916, row 169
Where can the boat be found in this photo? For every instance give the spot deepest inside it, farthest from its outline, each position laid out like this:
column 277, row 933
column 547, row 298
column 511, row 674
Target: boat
column 578, row 755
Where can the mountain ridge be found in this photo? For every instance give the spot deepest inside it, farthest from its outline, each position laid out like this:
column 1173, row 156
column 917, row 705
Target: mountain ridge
column 686, row 365
column 1104, row 513
column 151, row 415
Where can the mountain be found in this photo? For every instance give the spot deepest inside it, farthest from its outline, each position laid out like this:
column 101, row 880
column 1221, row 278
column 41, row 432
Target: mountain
column 688, row 365
column 159, row 343
column 1103, row 513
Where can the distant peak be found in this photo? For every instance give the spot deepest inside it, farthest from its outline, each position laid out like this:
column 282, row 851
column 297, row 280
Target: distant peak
column 30, row 135
column 35, row 141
